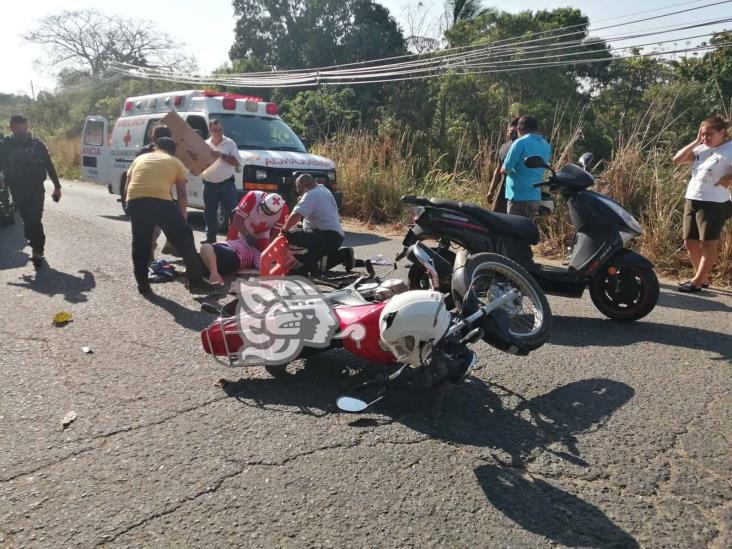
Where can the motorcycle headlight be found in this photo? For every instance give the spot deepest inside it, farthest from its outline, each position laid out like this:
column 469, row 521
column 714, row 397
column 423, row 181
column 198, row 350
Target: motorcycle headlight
column 261, row 175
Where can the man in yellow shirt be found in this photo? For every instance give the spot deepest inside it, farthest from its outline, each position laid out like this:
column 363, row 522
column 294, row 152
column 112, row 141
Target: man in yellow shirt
column 150, row 181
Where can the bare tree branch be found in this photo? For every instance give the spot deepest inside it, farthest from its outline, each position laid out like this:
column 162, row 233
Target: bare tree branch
column 87, row 41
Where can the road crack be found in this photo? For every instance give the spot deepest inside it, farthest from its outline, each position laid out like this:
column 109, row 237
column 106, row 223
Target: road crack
column 107, row 436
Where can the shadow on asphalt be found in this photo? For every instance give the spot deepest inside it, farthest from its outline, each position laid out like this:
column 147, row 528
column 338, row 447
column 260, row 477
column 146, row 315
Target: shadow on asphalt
column 548, row 511
column 190, row 319
column 475, row 414
column 120, row 217
column 12, row 243
column 704, row 301
column 51, row 282
column 355, row 240
column 575, row 331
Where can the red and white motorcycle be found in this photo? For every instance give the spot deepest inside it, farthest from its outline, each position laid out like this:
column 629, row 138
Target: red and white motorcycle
column 412, row 334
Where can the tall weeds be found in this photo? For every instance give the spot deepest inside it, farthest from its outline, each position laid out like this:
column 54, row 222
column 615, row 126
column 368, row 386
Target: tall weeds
column 374, row 171
column 66, row 156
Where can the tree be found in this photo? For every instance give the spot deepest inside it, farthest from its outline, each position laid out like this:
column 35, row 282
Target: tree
column 298, row 34
column 87, row 41
column 462, row 10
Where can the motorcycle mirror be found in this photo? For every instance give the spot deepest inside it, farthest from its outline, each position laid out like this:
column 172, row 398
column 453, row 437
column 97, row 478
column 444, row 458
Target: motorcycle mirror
column 586, row 160
column 351, row 404
column 535, row 162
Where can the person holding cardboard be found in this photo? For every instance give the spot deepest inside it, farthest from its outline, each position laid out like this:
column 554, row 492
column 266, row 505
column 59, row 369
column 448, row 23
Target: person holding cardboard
column 218, row 178
column 158, row 131
column 149, row 203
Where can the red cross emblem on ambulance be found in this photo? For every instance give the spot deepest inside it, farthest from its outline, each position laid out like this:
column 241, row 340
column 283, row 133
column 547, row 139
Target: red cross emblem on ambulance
column 127, row 138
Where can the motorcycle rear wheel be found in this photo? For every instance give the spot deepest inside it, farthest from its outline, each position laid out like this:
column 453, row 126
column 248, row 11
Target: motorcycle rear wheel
column 492, row 275
column 633, row 302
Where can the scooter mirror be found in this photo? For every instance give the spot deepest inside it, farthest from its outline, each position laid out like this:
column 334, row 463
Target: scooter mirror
column 351, row 404
column 586, row 160
column 535, row 162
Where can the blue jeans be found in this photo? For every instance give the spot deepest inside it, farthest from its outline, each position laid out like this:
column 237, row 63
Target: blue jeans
column 223, row 193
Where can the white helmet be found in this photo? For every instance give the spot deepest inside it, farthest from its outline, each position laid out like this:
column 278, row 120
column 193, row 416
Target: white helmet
column 272, row 204
column 411, row 323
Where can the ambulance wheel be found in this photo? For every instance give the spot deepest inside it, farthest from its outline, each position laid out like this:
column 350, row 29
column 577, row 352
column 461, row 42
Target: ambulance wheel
column 222, row 219
column 123, row 194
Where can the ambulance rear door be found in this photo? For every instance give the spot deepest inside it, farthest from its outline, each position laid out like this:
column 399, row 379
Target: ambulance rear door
column 94, row 150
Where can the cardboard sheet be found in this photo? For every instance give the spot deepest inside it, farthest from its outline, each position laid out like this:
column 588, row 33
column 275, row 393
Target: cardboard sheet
column 191, row 149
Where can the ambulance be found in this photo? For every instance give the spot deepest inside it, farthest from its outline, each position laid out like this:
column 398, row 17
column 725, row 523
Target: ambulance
column 272, row 155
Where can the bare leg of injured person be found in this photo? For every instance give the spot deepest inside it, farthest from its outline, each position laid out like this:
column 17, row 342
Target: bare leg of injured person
column 208, row 256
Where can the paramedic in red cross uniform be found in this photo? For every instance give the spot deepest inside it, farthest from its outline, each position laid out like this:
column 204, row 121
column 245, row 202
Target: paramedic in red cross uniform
column 257, row 219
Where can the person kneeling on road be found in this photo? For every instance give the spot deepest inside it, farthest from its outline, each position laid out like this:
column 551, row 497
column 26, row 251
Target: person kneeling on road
column 321, row 232
column 260, row 217
column 149, row 203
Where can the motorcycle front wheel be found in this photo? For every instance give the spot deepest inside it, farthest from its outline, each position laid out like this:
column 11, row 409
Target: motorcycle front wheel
column 630, row 293
column 528, row 319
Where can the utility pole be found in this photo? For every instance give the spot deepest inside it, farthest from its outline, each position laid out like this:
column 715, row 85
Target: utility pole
column 33, row 92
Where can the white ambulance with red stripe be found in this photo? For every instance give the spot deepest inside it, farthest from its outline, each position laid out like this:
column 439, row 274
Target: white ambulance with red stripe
column 272, row 154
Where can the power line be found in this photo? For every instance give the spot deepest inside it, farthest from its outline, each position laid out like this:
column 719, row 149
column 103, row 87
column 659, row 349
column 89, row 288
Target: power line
column 507, row 41
column 455, row 71
column 483, row 55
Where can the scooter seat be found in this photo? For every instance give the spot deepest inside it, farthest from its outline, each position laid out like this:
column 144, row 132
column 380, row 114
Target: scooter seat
column 513, row 226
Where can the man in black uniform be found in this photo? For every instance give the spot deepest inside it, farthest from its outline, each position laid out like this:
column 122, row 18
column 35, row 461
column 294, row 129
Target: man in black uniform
column 499, row 180
column 26, row 163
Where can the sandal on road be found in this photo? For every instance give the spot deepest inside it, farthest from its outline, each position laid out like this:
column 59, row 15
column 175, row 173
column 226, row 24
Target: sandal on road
column 690, row 282
column 688, row 287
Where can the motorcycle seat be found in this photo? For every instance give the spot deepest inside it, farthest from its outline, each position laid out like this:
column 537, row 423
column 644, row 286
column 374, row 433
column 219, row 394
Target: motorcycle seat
column 513, row 226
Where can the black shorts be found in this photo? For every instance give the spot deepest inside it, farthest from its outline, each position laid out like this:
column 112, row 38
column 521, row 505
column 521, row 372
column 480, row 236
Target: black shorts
column 227, row 262
column 704, row 220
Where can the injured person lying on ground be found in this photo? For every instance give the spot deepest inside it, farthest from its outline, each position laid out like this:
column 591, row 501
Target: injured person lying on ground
column 228, row 258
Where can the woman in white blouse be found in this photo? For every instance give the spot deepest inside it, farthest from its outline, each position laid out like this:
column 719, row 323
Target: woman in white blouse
column 708, row 202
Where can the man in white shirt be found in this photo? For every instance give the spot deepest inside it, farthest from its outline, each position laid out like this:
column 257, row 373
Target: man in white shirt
column 321, row 232
column 218, row 178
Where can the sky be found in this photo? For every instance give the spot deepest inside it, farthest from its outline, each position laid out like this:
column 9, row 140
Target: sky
column 207, row 33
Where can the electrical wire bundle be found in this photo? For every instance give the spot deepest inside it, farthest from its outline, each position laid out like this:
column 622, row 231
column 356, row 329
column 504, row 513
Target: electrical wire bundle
column 559, row 47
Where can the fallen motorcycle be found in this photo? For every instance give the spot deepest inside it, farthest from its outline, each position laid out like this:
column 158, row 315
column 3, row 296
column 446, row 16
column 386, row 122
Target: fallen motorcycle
column 412, row 334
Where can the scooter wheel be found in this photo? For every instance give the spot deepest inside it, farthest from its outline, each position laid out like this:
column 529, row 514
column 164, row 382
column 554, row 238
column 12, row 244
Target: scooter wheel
column 628, row 295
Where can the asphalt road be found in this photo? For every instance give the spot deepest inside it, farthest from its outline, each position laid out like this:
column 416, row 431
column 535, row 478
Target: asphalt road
column 610, row 435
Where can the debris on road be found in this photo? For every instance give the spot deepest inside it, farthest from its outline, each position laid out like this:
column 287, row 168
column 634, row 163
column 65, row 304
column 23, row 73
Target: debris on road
column 87, row 350
column 379, row 260
column 62, row 319
column 68, row 420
